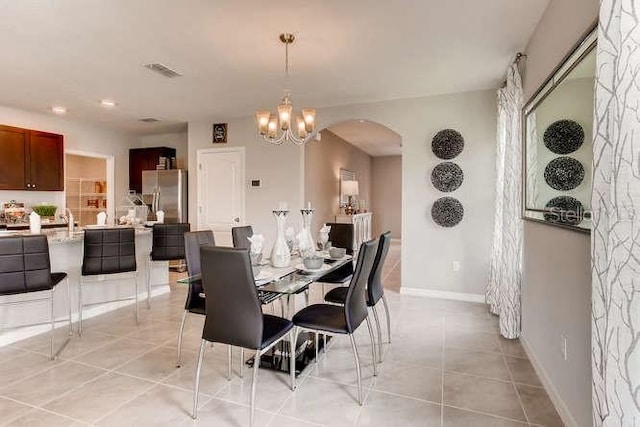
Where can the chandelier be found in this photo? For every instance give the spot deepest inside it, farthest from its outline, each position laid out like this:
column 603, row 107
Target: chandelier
column 276, row 128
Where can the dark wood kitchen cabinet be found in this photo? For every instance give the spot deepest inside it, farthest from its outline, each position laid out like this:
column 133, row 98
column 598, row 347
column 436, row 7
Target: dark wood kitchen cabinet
column 31, row 160
column 145, row 159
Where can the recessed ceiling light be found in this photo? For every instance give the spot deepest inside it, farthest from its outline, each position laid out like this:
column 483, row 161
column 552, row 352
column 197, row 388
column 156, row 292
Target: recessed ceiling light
column 59, row 109
column 108, row 103
column 361, row 121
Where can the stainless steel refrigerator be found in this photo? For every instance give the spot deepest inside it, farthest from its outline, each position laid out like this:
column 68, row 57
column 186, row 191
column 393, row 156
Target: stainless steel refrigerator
column 166, row 190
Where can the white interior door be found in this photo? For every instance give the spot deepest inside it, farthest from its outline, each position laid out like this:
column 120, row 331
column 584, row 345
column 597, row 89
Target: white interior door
column 220, row 191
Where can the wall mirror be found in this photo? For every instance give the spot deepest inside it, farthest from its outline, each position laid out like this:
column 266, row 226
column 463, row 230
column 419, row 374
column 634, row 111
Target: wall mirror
column 558, row 140
column 345, row 175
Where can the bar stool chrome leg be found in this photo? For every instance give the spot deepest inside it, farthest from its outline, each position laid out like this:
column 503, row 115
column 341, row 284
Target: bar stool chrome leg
column 80, row 308
column 149, row 264
column 242, row 363
column 53, row 327
column 229, row 356
column 386, row 309
column 254, row 381
column 292, row 357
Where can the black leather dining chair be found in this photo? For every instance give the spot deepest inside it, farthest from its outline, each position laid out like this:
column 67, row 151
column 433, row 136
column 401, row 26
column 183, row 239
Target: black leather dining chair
column 344, row 320
column 167, row 244
column 194, row 304
column 340, row 236
column 106, row 252
column 25, row 268
column 234, row 312
column 240, row 236
column 375, row 289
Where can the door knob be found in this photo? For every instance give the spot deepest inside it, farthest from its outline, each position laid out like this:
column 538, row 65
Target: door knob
column 236, row 219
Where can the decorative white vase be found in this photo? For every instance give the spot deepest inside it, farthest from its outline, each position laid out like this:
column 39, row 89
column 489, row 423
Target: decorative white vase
column 280, row 255
column 307, row 237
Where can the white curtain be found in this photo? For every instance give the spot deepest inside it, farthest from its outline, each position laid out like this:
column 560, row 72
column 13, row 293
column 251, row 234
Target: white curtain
column 615, row 239
column 503, row 290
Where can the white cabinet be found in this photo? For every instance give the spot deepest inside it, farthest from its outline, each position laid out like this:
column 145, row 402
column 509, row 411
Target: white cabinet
column 361, row 227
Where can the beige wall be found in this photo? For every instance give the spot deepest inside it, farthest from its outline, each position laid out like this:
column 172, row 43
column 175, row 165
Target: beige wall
column 556, row 273
column 428, row 249
column 85, row 167
column 386, row 202
column 322, row 163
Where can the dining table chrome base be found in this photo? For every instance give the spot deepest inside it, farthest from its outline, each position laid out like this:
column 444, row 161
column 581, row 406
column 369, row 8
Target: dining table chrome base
column 277, row 358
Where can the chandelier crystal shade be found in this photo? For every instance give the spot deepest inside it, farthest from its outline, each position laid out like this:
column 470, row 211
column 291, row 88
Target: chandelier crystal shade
column 277, row 128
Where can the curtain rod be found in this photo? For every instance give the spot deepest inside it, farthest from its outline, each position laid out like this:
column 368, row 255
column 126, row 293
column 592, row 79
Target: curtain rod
column 519, row 57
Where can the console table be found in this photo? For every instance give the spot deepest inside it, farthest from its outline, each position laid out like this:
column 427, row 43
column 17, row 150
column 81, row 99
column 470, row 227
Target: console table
column 361, row 227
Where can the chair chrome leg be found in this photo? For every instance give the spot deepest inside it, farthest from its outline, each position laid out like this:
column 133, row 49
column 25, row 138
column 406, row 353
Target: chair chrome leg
column 135, row 288
column 386, row 309
column 316, row 344
column 80, row 308
column 196, row 386
column 379, row 330
column 149, row 264
column 242, row 363
column 69, row 306
column 256, row 366
column 355, row 355
column 324, row 340
column 229, row 363
column 292, row 356
column 373, row 347
column 182, row 322
column 53, row 327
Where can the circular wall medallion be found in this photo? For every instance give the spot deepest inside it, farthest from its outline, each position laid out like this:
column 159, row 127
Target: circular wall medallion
column 564, row 210
column 447, row 177
column 447, row 144
column 564, row 173
column 447, row 212
column 563, row 136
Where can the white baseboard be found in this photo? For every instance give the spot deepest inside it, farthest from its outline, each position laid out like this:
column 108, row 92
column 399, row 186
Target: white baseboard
column 557, row 401
column 430, row 293
column 21, row 333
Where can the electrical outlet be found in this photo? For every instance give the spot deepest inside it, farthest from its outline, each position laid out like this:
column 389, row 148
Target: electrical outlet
column 563, row 347
column 456, row 265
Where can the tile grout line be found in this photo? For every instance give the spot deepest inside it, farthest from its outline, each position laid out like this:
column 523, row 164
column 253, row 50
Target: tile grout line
column 524, row 423
column 524, row 411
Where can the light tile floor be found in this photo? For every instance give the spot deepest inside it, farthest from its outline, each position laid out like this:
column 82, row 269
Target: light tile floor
column 446, row 366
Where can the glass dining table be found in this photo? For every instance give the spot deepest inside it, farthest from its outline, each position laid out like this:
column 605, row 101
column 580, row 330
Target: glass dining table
column 284, row 284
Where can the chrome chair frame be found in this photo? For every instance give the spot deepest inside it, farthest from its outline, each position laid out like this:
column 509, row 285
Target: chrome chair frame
column 256, row 366
column 52, row 319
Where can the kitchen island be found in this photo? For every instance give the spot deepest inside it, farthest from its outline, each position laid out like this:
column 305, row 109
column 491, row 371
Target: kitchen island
column 65, row 249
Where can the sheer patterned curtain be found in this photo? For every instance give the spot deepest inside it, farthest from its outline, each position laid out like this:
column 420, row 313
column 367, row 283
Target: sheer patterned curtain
column 503, row 290
column 615, row 238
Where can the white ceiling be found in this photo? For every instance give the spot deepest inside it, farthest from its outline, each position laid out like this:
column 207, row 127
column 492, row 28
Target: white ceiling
column 76, row 52
column 372, row 138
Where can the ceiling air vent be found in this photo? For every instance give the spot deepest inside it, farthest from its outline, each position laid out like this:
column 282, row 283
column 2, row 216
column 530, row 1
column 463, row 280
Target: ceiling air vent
column 163, row 69
column 149, row 120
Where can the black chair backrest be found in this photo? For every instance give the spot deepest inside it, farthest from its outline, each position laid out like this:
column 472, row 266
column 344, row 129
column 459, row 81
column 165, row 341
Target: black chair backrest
column 233, row 310
column 341, row 236
column 24, row 265
column 375, row 289
column 168, row 241
column 192, row 242
column 109, row 251
column 240, row 237
column 355, row 306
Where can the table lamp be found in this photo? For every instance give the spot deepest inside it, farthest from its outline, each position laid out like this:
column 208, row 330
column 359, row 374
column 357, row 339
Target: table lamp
column 350, row 189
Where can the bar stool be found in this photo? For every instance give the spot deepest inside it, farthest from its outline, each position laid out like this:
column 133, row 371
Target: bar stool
column 234, row 313
column 194, row 304
column 240, row 236
column 167, row 244
column 107, row 252
column 25, row 267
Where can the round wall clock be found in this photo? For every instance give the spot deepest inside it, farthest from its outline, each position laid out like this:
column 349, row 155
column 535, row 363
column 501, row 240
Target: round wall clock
column 447, row 212
column 564, row 173
column 563, row 136
column 447, row 144
column 447, row 177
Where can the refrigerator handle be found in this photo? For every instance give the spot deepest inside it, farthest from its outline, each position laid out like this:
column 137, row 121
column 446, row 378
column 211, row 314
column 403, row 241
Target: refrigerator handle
column 156, row 201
